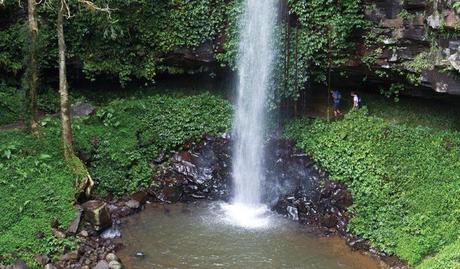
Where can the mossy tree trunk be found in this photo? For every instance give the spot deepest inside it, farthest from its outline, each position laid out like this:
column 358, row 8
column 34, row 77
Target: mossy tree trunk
column 32, row 73
column 66, row 127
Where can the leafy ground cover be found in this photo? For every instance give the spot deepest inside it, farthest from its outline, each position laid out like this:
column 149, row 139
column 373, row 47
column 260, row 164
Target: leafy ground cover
column 405, row 182
column 123, row 137
column 414, row 111
column 35, row 188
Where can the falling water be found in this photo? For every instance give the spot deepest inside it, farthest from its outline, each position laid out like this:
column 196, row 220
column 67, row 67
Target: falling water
column 254, row 69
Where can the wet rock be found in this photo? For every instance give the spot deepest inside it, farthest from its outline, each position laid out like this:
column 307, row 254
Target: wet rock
column 70, row 256
column 133, row 204
column 293, row 213
column 111, row 257
column 84, row 233
column 20, row 265
column 42, row 259
column 111, row 233
column 358, row 244
column 328, row 221
column 73, row 228
column 57, row 233
column 96, row 213
column 140, row 196
column 50, row 266
column 102, row 265
column 115, row 265
column 140, row 254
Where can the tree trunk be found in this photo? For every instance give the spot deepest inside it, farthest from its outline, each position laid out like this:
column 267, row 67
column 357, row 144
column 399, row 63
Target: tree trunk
column 66, row 128
column 33, row 68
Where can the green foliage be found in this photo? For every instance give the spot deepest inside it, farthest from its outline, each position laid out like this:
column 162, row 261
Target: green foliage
column 414, row 112
column 404, row 180
column 323, row 37
column 449, row 257
column 124, row 137
column 132, row 43
column 456, row 6
column 393, row 91
column 11, row 38
column 11, row 104
column 131, row 133
column 35, row 187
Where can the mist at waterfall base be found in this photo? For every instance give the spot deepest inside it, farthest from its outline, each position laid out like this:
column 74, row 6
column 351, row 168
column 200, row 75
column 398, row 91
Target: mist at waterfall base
column 256, row 55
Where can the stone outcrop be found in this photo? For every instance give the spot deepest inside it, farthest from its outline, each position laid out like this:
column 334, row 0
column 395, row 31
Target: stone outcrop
column 419, row 36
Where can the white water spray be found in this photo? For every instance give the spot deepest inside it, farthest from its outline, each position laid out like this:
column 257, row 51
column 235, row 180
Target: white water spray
column 255, row 71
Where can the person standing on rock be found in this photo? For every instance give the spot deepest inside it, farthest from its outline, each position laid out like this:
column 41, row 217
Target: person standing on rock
column 336, row 99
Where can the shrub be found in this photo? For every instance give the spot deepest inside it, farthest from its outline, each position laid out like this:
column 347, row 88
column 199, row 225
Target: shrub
column 405, row 180
column 131, row 133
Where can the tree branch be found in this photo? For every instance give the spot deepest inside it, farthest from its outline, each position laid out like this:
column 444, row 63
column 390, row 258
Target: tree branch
column 93, row 7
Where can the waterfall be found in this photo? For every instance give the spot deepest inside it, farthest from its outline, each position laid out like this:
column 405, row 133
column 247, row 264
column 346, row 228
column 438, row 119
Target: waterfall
column 256, row 55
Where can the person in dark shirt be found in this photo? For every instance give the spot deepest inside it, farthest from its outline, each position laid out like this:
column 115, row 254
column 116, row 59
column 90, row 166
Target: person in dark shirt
column 336, row 99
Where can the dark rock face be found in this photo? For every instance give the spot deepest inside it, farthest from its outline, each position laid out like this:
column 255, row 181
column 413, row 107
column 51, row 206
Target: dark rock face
column 294, row 186
column 408, row 29
column 192, row 59
column 200, row 173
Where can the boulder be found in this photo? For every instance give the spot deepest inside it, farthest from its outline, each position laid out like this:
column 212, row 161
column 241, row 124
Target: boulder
column 73, row 228
column 133, row 204
column 111, row 257
column 70, row 256
column 115, row 265
column 81, row 109
column 96, row 213
column 140, row 196
column 42, row 259
column 20, row 265
column 102, row 265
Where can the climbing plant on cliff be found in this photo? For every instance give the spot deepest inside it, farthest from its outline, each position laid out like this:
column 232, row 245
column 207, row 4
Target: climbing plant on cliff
column 317, row 34
column 137, row 43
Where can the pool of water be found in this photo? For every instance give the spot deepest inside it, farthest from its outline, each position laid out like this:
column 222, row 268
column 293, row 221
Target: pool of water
column 201, row 236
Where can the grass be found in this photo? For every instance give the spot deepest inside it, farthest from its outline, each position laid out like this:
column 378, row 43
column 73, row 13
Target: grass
column 405, row 181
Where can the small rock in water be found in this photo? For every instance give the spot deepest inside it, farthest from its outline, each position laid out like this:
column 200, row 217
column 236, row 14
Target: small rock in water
column 293, row 213
column 111, row 233
column 133, row 204
column 115, row 265
column 140, row 254
column 102, row 265
column 111, row 257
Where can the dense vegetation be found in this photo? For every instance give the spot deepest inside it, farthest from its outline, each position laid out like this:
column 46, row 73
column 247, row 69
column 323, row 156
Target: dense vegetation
column 404, row 178
column 124, row 136
column 143, row 38
column 405, row 182
column 36, row 187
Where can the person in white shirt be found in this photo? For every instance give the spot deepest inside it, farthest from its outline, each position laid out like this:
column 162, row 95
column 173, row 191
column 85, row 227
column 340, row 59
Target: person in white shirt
column 356, row 100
